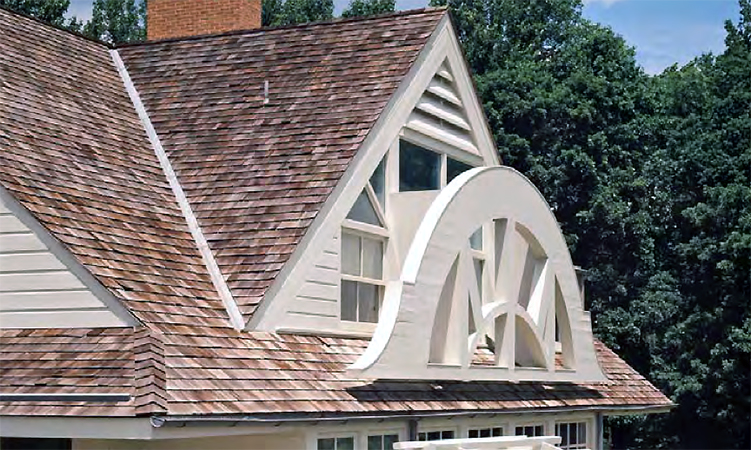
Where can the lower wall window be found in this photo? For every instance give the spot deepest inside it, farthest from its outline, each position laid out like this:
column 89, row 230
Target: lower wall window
column 573, row 435
column 382, row 442
column 485, row 432
column 530, row 430
column 435, row 435
column 336, row 443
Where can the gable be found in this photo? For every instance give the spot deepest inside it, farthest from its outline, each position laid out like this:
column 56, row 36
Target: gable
column 435, row 107
column 257, row 168
column 41, row 286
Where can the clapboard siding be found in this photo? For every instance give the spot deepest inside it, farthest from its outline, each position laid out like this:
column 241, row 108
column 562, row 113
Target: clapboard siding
column 319, row 296
column 37, row 290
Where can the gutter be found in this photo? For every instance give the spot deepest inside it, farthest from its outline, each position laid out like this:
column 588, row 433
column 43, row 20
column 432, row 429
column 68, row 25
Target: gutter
column 232, row 421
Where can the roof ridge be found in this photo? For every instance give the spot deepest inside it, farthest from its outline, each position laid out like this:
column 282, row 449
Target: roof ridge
column 56, row 27
column 336, row 20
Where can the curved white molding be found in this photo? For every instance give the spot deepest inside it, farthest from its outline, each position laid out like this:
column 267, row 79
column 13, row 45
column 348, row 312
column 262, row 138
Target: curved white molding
column 438, row 266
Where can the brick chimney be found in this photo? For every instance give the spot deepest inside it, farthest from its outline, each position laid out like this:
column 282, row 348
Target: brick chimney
column 182, row 18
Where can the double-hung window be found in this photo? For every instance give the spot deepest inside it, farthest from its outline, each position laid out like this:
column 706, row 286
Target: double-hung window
column 362, row 277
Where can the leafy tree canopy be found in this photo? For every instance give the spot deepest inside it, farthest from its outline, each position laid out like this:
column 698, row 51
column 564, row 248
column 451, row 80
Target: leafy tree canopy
column 358, row 8
column 117, row 21
column 290, row 12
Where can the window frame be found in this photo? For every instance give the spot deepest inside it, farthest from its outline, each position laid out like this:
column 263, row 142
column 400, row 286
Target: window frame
column 573, row 421
column 380, row 284
column 336, row 436
column 443, row 151
column 530, row 424
column 437, row 429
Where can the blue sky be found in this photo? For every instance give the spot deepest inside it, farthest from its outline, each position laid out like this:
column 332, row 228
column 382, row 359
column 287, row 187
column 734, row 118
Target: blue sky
column 664, row 32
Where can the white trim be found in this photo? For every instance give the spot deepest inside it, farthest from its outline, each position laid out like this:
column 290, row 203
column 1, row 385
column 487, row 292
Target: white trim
column 270, row 312
column 63, row 254
column 217, row 278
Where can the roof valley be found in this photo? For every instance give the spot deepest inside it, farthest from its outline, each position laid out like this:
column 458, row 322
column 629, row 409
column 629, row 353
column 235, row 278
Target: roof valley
column 217, row 278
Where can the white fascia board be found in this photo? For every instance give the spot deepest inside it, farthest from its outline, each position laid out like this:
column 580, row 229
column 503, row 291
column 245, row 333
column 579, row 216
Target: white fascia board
column 61, row 252
column 271, row 309
column 76, row 427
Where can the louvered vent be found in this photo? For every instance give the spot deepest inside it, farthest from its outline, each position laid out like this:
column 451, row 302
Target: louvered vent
column 440, row 113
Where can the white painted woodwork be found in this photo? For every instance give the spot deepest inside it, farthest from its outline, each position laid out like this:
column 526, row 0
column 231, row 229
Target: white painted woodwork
column 406, row 210
column 37, row 289
column 424, row 330
column 319, row 295
column 440, row 78
column 440, row 114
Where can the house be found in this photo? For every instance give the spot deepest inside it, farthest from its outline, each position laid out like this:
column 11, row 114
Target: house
column 298, row 237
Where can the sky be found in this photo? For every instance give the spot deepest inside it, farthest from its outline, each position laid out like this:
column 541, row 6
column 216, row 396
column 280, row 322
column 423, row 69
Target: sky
column 664, row 32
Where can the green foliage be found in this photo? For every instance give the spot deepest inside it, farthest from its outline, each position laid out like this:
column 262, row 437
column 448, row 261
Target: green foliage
column 117, row 21
column 357, row 8
column 649, row 178
column 290, row 12
column 50, row 11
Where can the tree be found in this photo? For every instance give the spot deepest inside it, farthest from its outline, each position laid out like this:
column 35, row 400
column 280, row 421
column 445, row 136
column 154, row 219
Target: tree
column 117, row 21
column 50, row 11
column 648, row 177
column 357, row 8
column 290, row 12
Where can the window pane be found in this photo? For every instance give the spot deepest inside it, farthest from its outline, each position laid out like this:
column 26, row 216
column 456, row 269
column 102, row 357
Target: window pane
column 389, row 440
column 419, row 168
column 364, row 211
column 326, row 444
column 474, row 433
column 349, row 301
column 537, row 431
column 475, row 241
column 582, row 433
column 422, row 437
column 434, row 435
column 563, row 433
column 378, row 182
column 368, row 302
column 347, row 443
column 485, row 433
column 447, row 434
column 498, row 431
column 372, row 255
column 350, row 254
column 375, row 442
column 454, row 168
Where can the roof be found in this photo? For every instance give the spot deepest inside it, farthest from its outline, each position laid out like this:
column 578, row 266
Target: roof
column 277, row 374
column 75, row 154
column 255, row 174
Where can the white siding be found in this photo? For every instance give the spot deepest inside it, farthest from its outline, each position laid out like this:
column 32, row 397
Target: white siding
column 36, row 289
column 318, row 299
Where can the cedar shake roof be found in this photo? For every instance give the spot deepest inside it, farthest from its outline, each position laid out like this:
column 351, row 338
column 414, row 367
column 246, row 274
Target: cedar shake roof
column 256, row 173
column 266, row 373
column 74, row 153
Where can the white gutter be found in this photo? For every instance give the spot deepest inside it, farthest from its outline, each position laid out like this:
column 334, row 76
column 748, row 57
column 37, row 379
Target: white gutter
column 217, row 278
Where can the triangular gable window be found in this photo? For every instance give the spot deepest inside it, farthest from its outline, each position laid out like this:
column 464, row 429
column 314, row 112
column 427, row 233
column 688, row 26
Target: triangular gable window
column 364, row 211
